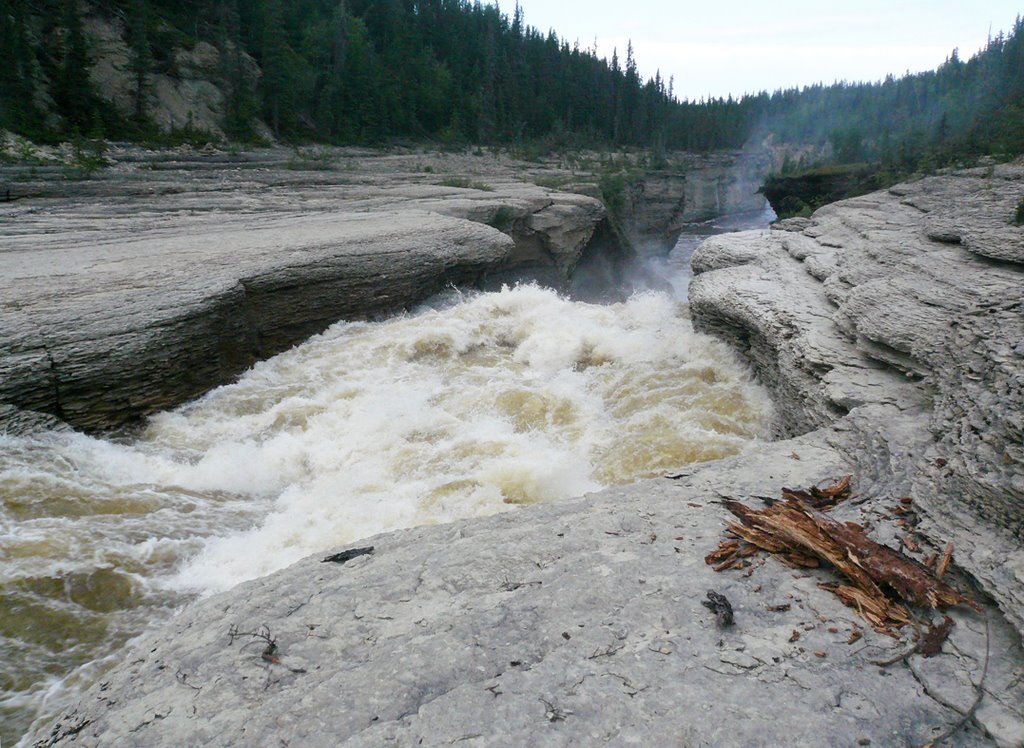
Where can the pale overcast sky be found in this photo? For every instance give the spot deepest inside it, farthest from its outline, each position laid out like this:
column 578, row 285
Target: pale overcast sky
column 722, row 47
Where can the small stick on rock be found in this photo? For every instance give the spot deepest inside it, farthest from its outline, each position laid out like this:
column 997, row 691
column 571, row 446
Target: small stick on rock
column 943, row 564
column 343, row 556
column 720, row 606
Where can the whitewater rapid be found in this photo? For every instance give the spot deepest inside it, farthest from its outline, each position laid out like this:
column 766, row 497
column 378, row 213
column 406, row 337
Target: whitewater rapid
column 465, row 407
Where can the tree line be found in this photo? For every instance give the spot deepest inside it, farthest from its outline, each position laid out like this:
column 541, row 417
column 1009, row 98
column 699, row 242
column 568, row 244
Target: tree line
column 372, row 71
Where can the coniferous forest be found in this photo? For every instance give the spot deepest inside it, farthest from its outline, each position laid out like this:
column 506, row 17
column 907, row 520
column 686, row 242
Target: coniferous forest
column 373, row 71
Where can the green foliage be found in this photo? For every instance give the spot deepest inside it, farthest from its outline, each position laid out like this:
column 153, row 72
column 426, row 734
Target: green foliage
column 18, row 150
column 1018, row 216
column 312, row 159
column 800, row 193
column 613, row 194
column 461, row 72
column 85, row 158
column 553, row 182
column 140, row 59
column 74, row 91
column 502, row 218
column 188, row 134
column 465, row 183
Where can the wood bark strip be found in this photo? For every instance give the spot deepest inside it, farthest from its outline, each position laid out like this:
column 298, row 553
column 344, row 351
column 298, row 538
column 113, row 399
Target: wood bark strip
column 881, row 581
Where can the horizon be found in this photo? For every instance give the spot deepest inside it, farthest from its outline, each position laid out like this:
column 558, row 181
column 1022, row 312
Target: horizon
column 793, row 44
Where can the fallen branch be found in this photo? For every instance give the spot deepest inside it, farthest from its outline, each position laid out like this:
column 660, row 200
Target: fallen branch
column 882, row 581
column 269, row 653
column 344, row 556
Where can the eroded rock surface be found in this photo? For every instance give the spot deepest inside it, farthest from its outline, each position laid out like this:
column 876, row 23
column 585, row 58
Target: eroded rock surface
column 581, row 623
column 897, row 318
column 571, row 624
column 660, row 203
column 95, row 331
column 160, row 278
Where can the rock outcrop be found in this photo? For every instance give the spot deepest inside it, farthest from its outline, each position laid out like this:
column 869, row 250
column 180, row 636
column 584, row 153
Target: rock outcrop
column 577, row 623
column 659, row 203
column 157, row 280
column 891, row 339
column 897, row 320
column 190, row 95
column 142, row 322
column 290, row 237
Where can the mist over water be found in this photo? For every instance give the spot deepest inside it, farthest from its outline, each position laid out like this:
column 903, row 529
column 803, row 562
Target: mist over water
column 604, row 278
column 468, row 406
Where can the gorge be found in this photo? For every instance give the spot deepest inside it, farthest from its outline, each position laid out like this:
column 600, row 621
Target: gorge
column 583, row 618
column 466, row 406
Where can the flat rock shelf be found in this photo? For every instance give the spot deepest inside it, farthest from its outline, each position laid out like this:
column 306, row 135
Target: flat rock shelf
column 889, row 329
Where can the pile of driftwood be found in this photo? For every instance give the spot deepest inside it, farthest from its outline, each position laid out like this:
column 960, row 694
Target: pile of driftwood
column 879, row 582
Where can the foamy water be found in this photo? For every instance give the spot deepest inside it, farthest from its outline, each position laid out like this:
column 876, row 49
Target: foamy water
column 474, row 407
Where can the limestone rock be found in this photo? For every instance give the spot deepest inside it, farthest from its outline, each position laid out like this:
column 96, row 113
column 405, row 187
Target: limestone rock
column 577, row 623
column 581, row 622
column 161, row 278
column 170, row 272
column 904, row 310
column 140, row 323
column 660, row 203
column 192, row 97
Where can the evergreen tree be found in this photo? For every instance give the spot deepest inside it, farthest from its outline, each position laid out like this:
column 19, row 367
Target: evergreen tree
column 275, row 63
column 369, row 70
column 8, row 73
column 240, row 106
column 140, row 59
column 74, row 91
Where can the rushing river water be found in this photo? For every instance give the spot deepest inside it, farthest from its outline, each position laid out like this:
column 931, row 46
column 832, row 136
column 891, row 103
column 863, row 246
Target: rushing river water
column 468, row 406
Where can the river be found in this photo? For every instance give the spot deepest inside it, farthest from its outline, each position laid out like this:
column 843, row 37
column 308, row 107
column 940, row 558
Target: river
column 469, row 405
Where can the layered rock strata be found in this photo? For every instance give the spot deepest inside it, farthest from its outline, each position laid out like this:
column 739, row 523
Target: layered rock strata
column 111, row 308
column 98, row 331
column 660, row 203
column 577, row 623
column 897, row 319
column 581, row 623
column 157, row 280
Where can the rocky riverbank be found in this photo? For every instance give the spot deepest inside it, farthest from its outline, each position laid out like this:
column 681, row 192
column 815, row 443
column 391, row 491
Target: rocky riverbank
column 169, row 273
column 889, row 329
column 897, row 318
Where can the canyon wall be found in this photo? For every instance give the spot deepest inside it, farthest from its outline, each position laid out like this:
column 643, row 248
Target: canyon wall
column 898, row 318
column 889, row 329
column 700, row 188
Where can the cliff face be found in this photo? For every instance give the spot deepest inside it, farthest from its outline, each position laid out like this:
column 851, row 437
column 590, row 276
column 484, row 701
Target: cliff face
column 889, row 328
column 897, row 320
column 193, row 97
column 659, row 204
column 179, row 270
column 175, row 276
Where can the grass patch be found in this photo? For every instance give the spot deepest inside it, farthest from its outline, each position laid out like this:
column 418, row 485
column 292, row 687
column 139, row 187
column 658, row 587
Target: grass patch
column 553, row 182
column 317, row 158
column 502, row 218
column 613, row 194
column 465, row 183
column 1018, row 217
column 85, row 158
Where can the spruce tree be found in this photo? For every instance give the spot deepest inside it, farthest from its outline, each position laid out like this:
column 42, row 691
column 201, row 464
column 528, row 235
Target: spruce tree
column 276, row 93
column 74, row 90
column 140, row 59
